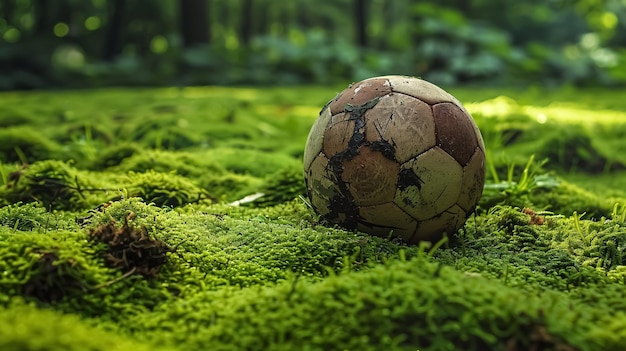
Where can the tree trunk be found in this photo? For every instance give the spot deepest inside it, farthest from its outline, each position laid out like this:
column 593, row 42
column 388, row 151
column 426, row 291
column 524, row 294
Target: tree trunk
column 8, row 10
column 194, row 22
column 42, row 24
column 246, row 22
column 306, row 18
column 262, row 19
column 112, row 45
column 360, row 21
column 465, row 6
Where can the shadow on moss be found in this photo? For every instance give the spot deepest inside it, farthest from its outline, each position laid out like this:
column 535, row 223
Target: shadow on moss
column 52, row 278
column 23, row 144
column 184, row 164
column 282, row 186
column 114, row 155
column 572, row 150
column 54, row 184
column 166, row 189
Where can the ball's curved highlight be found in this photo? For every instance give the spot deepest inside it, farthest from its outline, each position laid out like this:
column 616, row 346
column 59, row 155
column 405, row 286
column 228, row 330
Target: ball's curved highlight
column 395, row 154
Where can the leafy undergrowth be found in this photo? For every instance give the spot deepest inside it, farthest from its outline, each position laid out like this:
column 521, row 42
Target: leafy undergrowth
column 172, row 219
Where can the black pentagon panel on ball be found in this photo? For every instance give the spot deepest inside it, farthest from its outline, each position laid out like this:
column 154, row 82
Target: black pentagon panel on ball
column 395, row 157
column 454, row 131
column 473, row 180
column 358, row 94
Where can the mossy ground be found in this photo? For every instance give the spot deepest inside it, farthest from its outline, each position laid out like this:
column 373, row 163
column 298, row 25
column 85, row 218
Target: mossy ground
column 117, row 229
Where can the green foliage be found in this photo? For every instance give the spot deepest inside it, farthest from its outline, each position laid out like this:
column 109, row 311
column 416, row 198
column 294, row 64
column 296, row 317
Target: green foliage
column 451, row 41
column 453, row 49
column 513, row 192
column 317, row 57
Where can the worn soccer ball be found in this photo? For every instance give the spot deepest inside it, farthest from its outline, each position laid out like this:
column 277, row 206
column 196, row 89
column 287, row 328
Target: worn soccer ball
column 395, row 156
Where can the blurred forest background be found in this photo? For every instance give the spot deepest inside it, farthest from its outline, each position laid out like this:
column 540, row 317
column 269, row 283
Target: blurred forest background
column 91, row 43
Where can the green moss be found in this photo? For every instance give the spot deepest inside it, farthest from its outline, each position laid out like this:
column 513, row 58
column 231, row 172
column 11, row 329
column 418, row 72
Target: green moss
column 37, row 266
column 32, row 216
column 230, row 187
column 55, row 185
column 257, row 163
column 167, row 138
column 186, row 164
column 56, row 331
column 12, row 118
column 230, row 132
column 282, row 186
column 506, row 245
column 572, row 150
column 569, row 198
column 53, row 278
column 85, row 131
column 165, row 189
column 599, row 244
column 24, row 144
column 65, row 270
column 131, row 249
column 610, row 185
column 270, row 275
column 245, row 247
column 114, row 155
column 531, row 186
column 402, row 305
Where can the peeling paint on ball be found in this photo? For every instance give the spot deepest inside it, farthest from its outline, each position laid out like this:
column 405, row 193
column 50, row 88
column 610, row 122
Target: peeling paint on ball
column 395, row 156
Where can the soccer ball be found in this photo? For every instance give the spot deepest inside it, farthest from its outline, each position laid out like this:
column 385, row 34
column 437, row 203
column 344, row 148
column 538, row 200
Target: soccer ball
column 395, row 156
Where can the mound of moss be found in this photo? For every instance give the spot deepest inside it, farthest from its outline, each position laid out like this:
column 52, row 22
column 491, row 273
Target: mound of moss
column 55, row 185
column 572, row 150
column 24, row 144
column 57, row 331
column 174, row 219
column 401, row 305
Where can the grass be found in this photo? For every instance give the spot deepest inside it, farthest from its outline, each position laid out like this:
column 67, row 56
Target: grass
column 117, row 228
